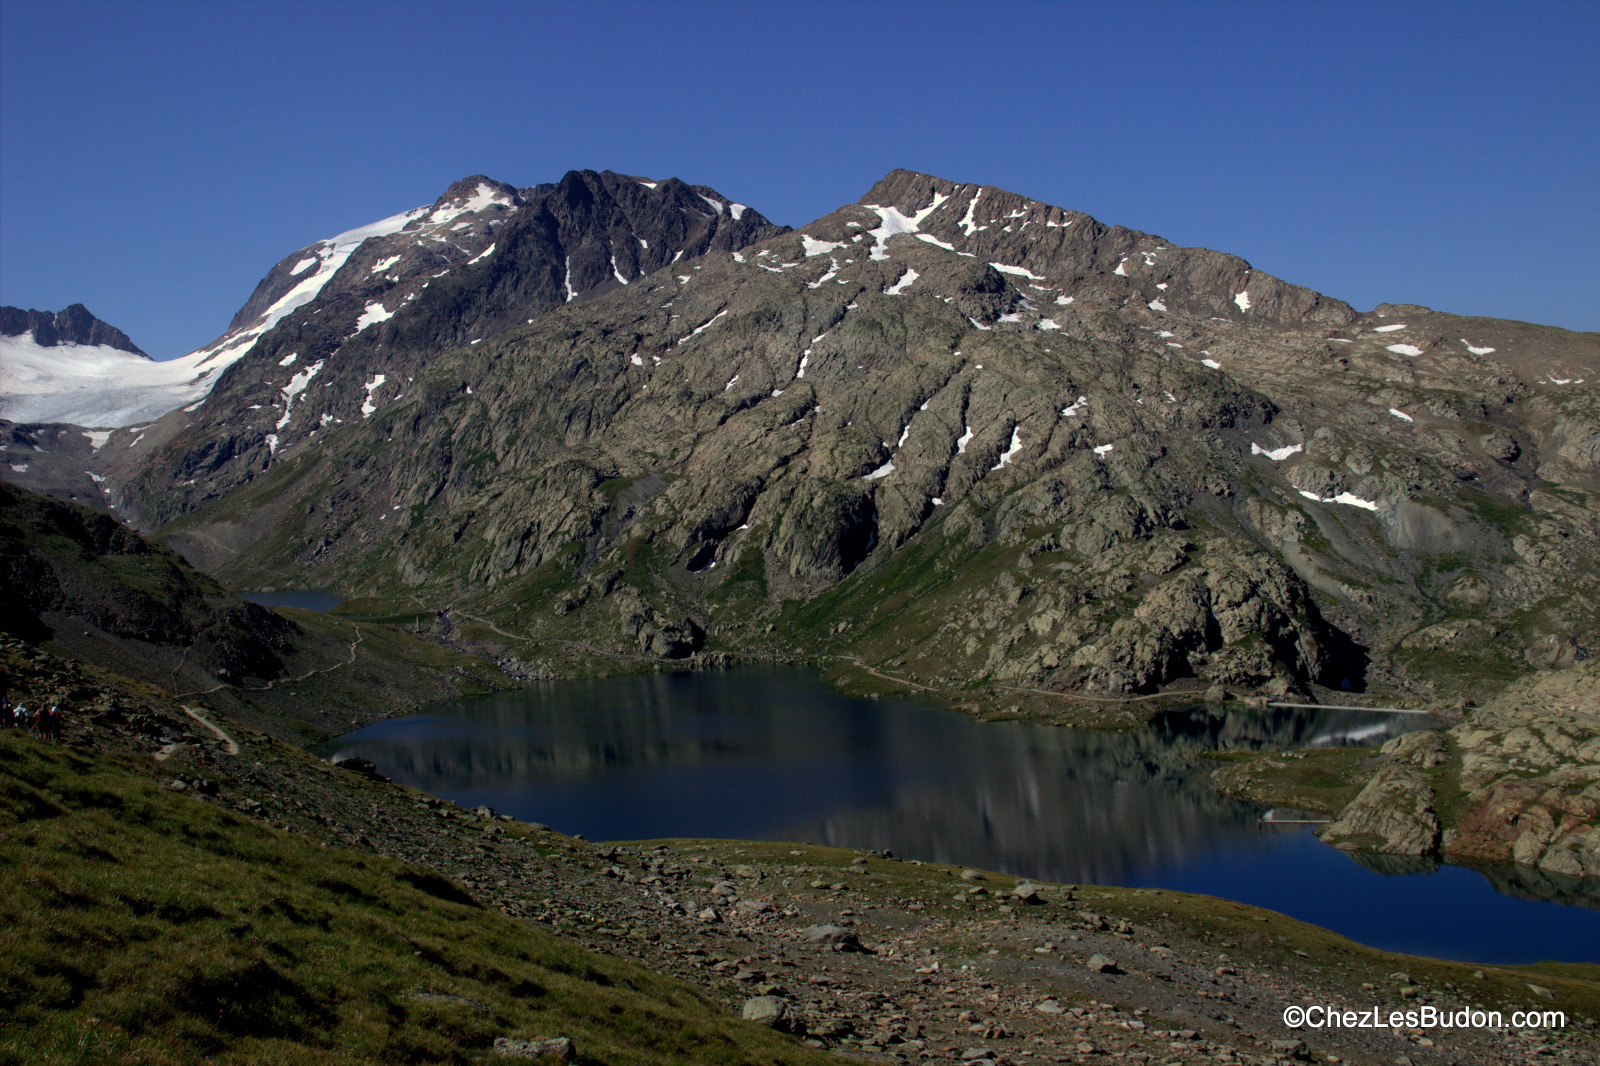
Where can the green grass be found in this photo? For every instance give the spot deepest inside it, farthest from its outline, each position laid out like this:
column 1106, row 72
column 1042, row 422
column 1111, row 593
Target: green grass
column 140, row 925
column 1323, row 781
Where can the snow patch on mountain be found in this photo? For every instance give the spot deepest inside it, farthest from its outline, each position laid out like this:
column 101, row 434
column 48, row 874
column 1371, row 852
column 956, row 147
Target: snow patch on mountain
column 1277, row 455
column 94, row 385
column 813, row 246
column 296, row 386
column 372, row 315
column 1021, row 272
column 903, row 284
column 1011, row 452
column 105, row 387
column 367, row 406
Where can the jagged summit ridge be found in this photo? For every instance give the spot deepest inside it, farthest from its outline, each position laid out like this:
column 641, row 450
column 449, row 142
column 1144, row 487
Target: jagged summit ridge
column 1073, row 251
column 341, row 327
column 75, row 325
column 618, row 229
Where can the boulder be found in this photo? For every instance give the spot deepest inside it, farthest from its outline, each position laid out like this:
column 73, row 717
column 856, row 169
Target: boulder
column 835, row 936
column 771, row 1011
column 559, row 1046
column 1393, row 814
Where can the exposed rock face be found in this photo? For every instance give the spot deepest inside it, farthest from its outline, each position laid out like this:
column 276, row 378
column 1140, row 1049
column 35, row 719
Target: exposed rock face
column 1526, row 767
column 75, row 325
column 1530, row 766
column 984, row 439
column 339, row 329
column 1394, row 813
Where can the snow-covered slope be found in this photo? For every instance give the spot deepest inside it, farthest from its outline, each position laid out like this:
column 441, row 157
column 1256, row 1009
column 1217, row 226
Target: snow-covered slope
column 504, row 254
column 101, row 386
column 94, row 385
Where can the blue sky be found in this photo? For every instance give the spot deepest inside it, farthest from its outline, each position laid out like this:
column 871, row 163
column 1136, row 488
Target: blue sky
column 157, row 158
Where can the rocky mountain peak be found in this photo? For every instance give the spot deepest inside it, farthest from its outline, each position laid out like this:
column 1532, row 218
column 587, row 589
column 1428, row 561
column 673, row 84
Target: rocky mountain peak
column 477, row 192
column 1073, row 253
column 75, row 325
column 337, row 330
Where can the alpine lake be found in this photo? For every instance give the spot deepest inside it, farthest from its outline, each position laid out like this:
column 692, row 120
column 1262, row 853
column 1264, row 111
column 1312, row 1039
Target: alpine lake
column 775, row 754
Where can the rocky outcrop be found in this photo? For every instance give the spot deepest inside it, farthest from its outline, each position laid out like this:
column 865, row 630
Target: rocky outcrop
column 74, row 326
column 1516, row 781
column 1394, row 814
column 1530, row 769
column 655, row 635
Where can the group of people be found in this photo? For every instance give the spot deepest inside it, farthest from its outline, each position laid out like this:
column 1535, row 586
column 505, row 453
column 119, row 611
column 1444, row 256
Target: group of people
column 42, row 723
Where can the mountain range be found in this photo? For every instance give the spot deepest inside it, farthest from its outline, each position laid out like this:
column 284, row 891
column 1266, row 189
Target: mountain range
column 966, row 441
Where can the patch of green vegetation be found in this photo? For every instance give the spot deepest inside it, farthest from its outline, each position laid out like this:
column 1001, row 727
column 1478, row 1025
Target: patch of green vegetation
column 1323, row 781
column 139, row 925
column 1461, row 671
column 1432, row 566
column 1508, row 516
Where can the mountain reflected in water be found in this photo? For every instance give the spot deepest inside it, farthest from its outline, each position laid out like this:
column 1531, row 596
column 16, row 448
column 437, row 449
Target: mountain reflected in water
column 774, row 754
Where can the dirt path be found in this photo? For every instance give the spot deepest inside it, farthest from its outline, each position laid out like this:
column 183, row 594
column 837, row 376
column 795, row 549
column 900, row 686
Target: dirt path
column 278, row 681
column 229, row 745
column 875, row 672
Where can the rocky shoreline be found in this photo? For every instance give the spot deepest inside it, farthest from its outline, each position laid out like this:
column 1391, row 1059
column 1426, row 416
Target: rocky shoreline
column 1514, row 781
column 858, row 953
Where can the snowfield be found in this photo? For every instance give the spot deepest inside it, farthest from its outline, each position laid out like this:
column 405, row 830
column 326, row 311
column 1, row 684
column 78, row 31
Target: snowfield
column 97, row 385
column 107, row 388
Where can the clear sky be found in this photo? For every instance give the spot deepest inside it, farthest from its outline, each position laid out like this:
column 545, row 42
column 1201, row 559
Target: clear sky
column 157, row 158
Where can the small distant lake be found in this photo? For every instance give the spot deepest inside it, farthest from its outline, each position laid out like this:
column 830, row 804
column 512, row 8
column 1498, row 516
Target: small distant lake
column 305, row 599
column 774, row 754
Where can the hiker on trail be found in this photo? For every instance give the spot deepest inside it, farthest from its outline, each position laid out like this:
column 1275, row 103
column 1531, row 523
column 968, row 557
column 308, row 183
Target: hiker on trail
column 52, row 724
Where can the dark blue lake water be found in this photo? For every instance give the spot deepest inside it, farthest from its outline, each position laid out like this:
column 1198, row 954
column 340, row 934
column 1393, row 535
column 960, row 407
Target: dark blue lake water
column 306, row 599
column 774, row 754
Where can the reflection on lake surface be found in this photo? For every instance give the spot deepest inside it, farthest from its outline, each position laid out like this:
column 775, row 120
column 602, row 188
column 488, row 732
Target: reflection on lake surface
column 773, row 754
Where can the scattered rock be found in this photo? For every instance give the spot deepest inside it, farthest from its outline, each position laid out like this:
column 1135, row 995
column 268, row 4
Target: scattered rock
column 559, row 1046
column 771, row 1011
column 836, row 936
column 441, row 997
column 1102, row 964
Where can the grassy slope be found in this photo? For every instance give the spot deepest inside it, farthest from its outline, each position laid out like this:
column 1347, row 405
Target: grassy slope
column 143, row 925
